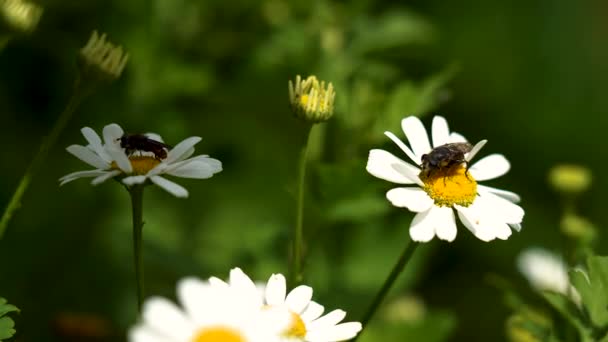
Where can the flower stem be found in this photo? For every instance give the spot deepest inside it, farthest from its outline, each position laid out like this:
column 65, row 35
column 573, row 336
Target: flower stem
column 298, row 239
column 48, row 142
column 406, row 255
column 137, row 199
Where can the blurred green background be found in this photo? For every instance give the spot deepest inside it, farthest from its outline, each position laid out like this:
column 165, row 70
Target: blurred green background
column 528, row 76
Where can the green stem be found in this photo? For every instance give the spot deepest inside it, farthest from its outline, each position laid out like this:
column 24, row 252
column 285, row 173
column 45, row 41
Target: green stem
column 406, row 255
column 298, row 239
column 137, row 199
column 15, row 203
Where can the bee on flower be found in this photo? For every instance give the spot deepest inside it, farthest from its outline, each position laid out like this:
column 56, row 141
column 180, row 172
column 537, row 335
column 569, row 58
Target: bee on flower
column 138, row 159
column 445, row 185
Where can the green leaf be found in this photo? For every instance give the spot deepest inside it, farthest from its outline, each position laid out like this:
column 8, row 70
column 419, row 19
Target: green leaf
column 564, row 306
column 593, row 288
column 6, row 324
column 410, row 98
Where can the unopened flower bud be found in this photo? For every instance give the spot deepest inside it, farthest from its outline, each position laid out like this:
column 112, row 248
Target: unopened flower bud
column 578, row 228
column 570, row 178
column 19, row 16
column 311, row 100
column 100, row 60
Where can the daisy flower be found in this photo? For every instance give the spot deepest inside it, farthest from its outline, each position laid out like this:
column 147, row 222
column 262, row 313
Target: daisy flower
column 111, row 160
column 436, row 197
column 208, row 313
column 305, row 320
column 295, row 316
column 547, row 272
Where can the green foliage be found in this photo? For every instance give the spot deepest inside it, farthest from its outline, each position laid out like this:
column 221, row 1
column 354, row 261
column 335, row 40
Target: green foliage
column 6, row 323
column 434, row 326
column 593, row 288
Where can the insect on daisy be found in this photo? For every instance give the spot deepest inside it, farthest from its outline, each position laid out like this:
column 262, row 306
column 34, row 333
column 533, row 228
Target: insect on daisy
column 446, row 184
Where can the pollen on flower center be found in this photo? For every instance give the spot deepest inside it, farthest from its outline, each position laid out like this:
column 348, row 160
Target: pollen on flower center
column 296, row 328
column 450, row 186
column 218, row 334
column 140, row 164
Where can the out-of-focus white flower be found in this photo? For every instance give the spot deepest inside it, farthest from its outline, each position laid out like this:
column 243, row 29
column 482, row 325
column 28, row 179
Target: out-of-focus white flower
column 547, row 272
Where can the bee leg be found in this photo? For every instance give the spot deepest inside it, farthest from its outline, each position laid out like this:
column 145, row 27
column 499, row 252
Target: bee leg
column 466, row 172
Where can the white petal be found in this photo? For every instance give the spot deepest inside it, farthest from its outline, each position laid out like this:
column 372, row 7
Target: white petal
column 503, row 231
column 194, row 169
column 86, row 155
column 382, row 164
column 167, row 319
column 192, row 294
column 299, row 298
column 173, row 188
column 118, row 155
column 340, row 332
column 276, row 290
column 95, row 143
column 80, row 174
column 313, row 311
column 421, row 228
column 490, row 167
column 500, row 208
column 445, row 224
column 416, row 135
column 473, row 218
column 403, row 147
column 144, row 333
column 111, row 133
column 440, row 131
column 515, row 226
column 328, row 320
column 105, row 177
column 155, row 137
column 134, row 180
column 457, row 137
column 180, row 149
column 217, row 282
column 475, row 150
column 185, row 155
column 508, row 195
column 414, row 199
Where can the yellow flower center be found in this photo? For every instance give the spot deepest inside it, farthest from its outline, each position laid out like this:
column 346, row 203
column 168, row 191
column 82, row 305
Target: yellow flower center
column 450, row 186
column 296, row 328
column 218, row 334
column 140, row 164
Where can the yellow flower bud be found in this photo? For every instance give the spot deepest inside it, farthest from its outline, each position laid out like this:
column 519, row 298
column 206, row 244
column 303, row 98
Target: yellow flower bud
column 570, row 178
column 101, row 60
column 311, row 100
column 19, row 16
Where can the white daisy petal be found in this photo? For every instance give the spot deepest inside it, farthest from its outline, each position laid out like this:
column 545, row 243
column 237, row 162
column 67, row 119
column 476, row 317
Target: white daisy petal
column 508, row 195
column 144, row 333
column 299, row 298
column 86, row 155
column 181, row 149
column 382, row 165
column 171, row 187
column 276, row 290
column 112, row 133
column 475, row 150
column 403, row 147
column 416, row 135
column 119, row 156
column 154, row 136
column 191, row 292
column 421, row 228
column 313, row 311
column 100, row 179
column 445, row 224
column 490, row 167
column 457, row 137
column 503, row 231
column 167, row 319
column 330, row 319
column 500, row 208
column 185, row 155
column 515, row 226
column 95, row 143
column 193, row 169
column 440, row 131
column 414, row 199
column 340, row 332
column 134, row 180
column 81, row 174
column 476, row 222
